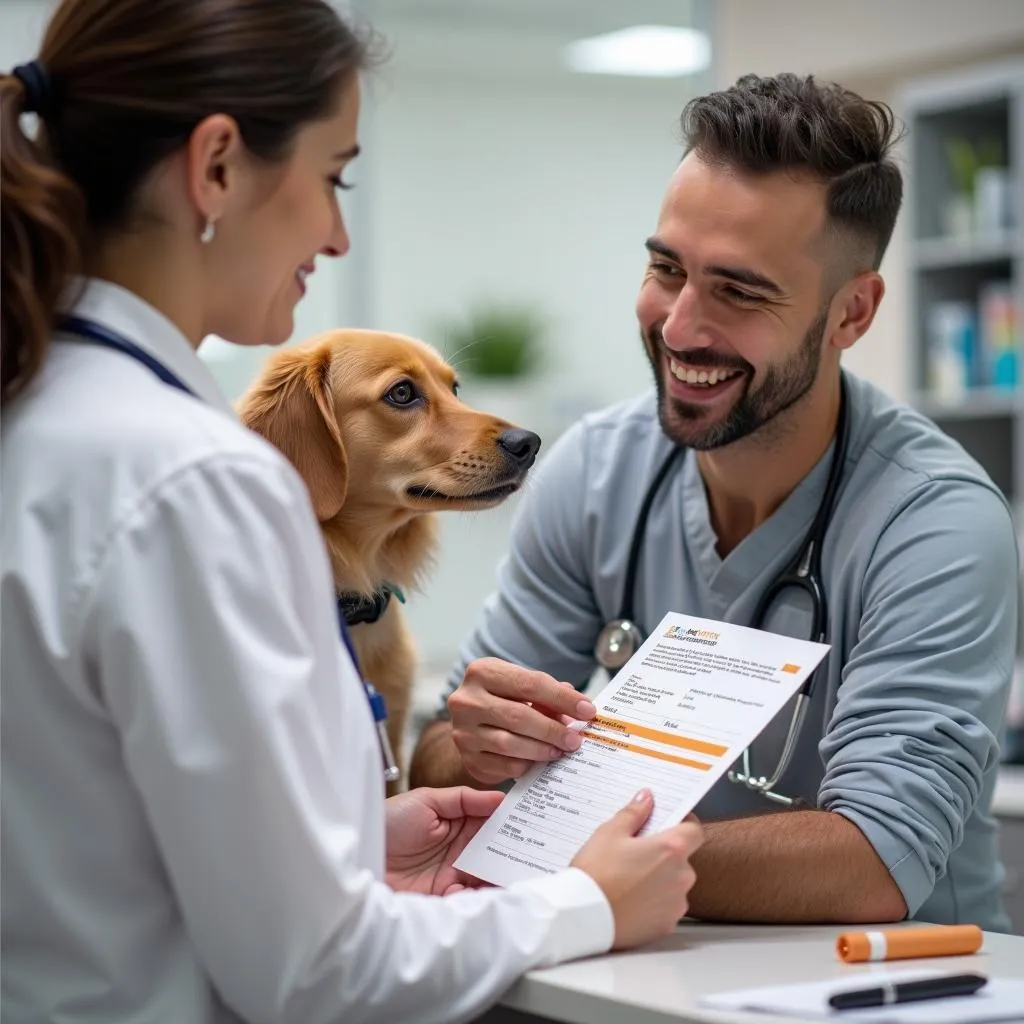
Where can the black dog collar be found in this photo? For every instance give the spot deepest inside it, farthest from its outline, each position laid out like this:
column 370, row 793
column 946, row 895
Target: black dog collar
column 356, row 608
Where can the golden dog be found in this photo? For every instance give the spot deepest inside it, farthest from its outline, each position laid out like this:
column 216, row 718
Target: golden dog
column 372, row 423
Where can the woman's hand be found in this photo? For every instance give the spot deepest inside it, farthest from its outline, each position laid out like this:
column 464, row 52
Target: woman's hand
column 426, row 830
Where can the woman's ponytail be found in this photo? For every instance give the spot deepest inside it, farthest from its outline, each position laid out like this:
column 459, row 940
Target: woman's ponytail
column 42, row 220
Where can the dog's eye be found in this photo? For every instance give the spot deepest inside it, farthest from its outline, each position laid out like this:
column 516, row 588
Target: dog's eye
column 455, row 388
column 401, row 394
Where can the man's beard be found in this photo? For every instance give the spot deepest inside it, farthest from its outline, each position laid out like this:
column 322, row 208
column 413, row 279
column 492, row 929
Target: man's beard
column 783, row 386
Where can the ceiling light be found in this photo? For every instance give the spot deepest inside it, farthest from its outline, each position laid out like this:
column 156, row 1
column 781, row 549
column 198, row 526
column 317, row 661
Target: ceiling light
column 656, row 50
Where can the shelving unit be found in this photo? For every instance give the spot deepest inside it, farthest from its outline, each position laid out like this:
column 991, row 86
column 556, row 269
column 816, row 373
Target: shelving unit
column 969, row 377
column 967, row 366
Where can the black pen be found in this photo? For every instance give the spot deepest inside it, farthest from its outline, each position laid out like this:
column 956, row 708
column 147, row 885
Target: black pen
column 909, row 991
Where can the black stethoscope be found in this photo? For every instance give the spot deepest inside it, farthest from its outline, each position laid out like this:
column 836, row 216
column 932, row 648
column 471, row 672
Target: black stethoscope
column 96, row 334
column 621, row 638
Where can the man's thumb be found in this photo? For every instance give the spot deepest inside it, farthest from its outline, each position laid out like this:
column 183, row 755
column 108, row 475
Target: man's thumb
column 636, row 812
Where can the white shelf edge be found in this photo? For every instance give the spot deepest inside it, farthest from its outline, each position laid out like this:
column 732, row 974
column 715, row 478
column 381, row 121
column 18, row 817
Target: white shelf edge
column 942, row 92
column 983, row 403
column 942, row 253
column 1008, row 799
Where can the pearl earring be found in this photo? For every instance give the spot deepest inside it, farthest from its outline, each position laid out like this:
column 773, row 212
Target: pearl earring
column 207, row 236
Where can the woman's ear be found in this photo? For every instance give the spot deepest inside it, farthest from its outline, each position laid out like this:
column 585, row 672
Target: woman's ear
column 291, row 406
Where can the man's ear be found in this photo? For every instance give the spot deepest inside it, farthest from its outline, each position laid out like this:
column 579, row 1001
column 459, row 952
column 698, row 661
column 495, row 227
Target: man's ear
column 291, row 406
column 858, row 301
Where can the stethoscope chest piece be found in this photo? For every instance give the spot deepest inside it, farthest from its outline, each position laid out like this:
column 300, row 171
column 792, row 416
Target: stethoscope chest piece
column 617, row 642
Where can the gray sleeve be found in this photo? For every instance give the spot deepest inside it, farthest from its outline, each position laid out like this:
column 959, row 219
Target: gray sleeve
column 543, row 614
column 923, row 697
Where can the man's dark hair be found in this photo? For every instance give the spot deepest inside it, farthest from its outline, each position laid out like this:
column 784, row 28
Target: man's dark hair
column 761, row 125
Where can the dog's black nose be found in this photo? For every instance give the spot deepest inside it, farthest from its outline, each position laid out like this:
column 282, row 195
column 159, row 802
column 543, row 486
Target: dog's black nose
column 522, row 445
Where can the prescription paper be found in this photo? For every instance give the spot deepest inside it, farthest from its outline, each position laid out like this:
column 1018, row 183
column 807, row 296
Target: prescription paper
column 674, row 719
column 1002, row 999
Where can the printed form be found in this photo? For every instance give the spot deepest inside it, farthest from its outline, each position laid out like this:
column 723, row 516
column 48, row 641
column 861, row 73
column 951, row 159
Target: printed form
column 674, row 719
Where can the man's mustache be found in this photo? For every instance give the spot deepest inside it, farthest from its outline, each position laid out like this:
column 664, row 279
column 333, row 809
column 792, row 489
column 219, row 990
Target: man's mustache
column 697, row 356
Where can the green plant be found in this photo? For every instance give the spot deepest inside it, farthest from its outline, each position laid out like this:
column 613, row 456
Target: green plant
column 965, row 160
column 495, row 341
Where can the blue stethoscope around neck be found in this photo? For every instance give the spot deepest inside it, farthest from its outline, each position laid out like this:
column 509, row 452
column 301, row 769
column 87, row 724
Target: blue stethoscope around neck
column 622, row 637
column 95, row 333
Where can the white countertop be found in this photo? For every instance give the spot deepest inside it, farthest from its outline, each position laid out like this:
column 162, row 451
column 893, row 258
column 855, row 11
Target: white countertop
column 1008, row 800
column 661, row 984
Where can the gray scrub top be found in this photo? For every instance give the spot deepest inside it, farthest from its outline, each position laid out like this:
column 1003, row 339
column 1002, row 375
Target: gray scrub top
column 920, row 569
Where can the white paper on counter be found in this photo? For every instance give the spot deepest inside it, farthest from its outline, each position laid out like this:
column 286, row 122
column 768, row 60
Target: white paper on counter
column 674, row 719
column 1002, row 999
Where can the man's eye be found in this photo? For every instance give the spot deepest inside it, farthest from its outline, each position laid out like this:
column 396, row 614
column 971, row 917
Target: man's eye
column 338, row 183
column 740, row 296
column 665, row 268
column 401, row 394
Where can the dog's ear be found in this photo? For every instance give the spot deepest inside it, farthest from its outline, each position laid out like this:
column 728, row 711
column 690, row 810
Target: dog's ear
column 291, row 406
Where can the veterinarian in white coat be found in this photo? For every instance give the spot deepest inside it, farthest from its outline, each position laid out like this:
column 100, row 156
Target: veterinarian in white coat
column 194, row 826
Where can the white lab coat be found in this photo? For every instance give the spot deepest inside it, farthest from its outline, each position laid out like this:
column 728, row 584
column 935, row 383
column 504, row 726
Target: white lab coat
column 192, row 804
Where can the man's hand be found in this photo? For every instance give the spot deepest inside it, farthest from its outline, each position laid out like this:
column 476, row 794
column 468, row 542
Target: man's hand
column 505, row 718
column 426, row 830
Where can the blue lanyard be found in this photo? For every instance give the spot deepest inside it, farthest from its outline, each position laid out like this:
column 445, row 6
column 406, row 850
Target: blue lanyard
column 377, row 705
column 96, row 334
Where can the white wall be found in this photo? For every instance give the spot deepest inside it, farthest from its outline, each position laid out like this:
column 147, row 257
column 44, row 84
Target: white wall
column 860, row 38
column 21, row 29
column 883, row 355
column 542, row 193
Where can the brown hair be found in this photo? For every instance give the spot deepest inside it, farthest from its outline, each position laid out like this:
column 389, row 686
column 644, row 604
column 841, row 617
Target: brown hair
column 124, row 83
column 761, row 125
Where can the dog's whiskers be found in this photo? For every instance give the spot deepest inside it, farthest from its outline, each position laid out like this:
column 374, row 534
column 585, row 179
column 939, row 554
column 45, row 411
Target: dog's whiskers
column 452, row 359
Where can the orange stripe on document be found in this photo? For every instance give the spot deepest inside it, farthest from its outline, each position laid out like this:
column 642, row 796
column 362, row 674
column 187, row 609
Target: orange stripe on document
column 600, row 737
column 668, row 738
column 791, row 668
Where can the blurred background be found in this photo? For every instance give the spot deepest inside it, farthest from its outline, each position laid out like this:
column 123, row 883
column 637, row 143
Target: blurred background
column 510, row 175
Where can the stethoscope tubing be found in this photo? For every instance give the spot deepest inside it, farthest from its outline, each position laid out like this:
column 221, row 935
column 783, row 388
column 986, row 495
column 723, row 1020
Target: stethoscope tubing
column 622, row 637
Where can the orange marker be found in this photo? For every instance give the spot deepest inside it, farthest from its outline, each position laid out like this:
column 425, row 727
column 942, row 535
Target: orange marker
column 908, row 943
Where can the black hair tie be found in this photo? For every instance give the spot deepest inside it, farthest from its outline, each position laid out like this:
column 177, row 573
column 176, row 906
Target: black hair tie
column 38, row 85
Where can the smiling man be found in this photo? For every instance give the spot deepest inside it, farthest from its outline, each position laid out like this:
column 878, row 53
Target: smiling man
column 762, row 270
